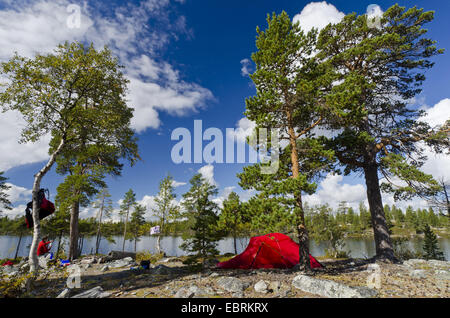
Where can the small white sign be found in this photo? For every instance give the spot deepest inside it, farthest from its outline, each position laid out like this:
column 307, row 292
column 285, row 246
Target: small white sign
column 155, row 230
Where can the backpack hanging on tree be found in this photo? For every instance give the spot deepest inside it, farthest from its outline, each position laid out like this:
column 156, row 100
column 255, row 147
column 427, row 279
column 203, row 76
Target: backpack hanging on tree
column 46, row 208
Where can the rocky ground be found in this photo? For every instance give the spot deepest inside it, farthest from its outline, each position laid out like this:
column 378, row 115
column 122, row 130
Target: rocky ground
column 169, row 277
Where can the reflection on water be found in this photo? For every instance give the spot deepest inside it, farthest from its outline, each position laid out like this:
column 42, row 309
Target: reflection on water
column 358, row 248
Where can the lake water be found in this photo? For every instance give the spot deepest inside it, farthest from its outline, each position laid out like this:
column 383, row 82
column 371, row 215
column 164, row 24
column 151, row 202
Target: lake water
column 358, row 248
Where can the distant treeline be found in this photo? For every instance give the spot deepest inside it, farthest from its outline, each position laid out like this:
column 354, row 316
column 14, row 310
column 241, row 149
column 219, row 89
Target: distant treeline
column 320, row 219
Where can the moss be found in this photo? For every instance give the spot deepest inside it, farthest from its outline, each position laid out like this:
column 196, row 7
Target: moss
column 148, row 256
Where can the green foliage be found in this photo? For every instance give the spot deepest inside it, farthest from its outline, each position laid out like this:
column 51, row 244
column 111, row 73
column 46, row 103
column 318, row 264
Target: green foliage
column 127, row 203
column 233, row 218
column 4, row 202
column 268, row 215
column 166, row 209
column 371, row 97
column 402, row 251
column 200, row 211
column 324, row 228
column 137, row 221
column 290, row 83
column 148, row 256
column 430, row 245
column 14, row 286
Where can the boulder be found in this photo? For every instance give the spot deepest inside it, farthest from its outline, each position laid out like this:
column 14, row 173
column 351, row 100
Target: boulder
column 88, row 260
column 414, row 262
column 442, row 275
column 162, row 270
column 116, row 255
column 418, row 273
column 261, row 287
column 127, row 261
column 437, row 263
column 105, row 268
column 331, row 289
column 43, row 261
column 184, row 293
column 64, row 294
column 96, row 292
column 232, row 284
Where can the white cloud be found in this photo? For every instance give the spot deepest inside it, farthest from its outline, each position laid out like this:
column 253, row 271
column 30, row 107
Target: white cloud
column 223, row 196
column 332, row 191
column 30, row 27
column 208, row 173
column 438, row 114
column 244, row 128
column 245, row 67
column 13, row 154
column 437, row 165
column 177, row 184
column 18, row 194
column 16, row 211
column 318, row 15
column 374, row 14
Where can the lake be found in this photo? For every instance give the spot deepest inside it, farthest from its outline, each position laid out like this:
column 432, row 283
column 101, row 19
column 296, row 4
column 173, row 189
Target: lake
column 358, row 248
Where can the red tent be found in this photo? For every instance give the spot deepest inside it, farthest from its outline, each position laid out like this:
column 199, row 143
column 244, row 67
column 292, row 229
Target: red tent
column 273, row 250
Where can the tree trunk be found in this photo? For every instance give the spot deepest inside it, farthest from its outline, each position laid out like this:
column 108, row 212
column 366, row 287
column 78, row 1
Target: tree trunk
column 80, row 246
column 33, row 258
column 158, row 244
column 235, row 234
column 125, row 231
column 18, row 244
column 303, row 239
column 447, row 200
column 158, row 241
column 97, row 241
column 383, row 244
column 73, row 247
column 59, row 244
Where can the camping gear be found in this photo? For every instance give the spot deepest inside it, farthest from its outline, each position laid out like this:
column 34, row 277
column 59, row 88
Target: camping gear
column 65, row 262
column 145, row 264
column 273, row 250
column 46, row 208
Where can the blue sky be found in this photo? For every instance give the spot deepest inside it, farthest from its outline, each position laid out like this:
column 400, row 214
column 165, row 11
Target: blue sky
column 188, row 52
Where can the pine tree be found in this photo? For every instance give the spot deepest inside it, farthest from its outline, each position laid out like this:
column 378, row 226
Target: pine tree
column 125, row 207
column 104, row 205
column 430, row 245
column 231, row 217
column 325, row 229
column 289, row 98
column 377, row 71
column 136, row 222
column 201, row 213
column 4, row 202
column 365, row 216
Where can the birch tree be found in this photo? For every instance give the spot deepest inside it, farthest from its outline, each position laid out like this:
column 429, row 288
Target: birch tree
column 61, row 94
column 166, row 208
